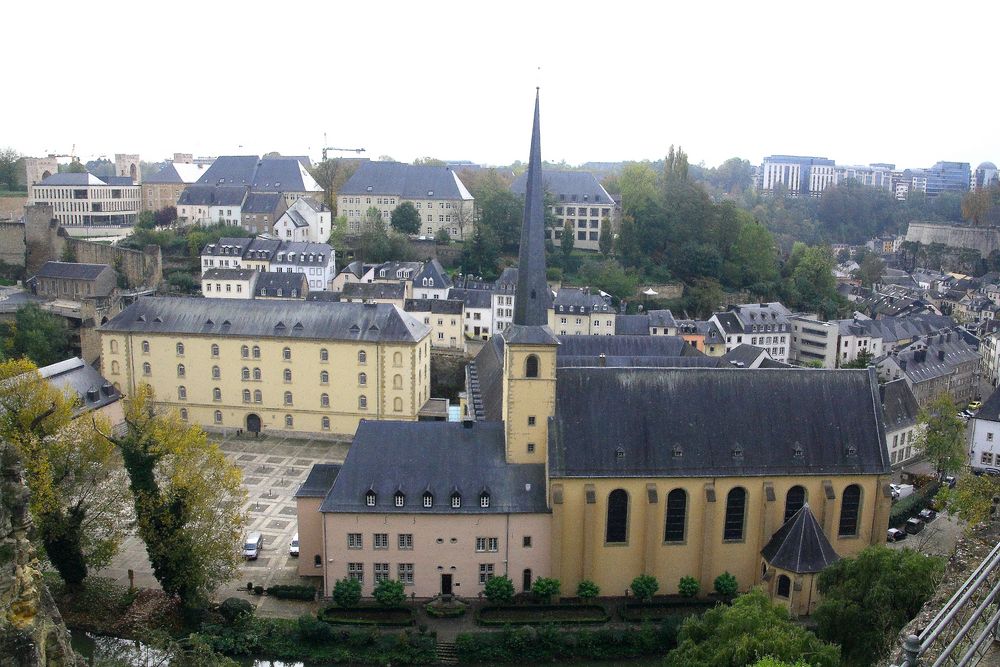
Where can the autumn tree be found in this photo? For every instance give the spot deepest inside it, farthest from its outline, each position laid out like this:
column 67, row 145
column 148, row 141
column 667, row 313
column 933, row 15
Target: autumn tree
column 36, row 335
column 972, row 498
column 188, row 500
column 405, row 218
column 76, row 481
column 331, row 176
column 943, row 434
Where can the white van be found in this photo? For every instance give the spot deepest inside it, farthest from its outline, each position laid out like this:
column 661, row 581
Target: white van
column 293, row 546
column 252, row 546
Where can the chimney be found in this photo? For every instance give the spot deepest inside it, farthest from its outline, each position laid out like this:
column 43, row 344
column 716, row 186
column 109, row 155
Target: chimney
column 602, row 360
column 940, row 355
column 902, row 364
column 468, row 422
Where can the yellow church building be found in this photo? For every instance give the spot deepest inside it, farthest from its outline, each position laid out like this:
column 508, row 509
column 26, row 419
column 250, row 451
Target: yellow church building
column 653, row 461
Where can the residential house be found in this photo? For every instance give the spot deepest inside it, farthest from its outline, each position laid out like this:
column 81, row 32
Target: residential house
column 814, row 341
column 259, row 252
column 316, row 260
column 229, row 283
column 164, row 188
column 84, row 200
column 261, row 210
column 984, row 440
column 436, row 192
column 576, row 311
column 272, row 285
column 478, row 305
column 431, row 281
column 747, row 356
column 702, row 336
column 75, row 281
column 764, row 324
column 350, row 273
column 305, row 220
column 445, row 317
column 226, row 253
column 946, row 363
column 392, row 293
column 900, row 413
column 207, row 205
column 290, row 367
column 94, row 395
column 504, row 293
column 579, row 200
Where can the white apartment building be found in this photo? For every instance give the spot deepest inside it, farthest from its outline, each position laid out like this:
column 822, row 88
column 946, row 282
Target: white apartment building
column 578, row 200
column 306, row 220
column 316, row 260
column 82, row 199
column 984, row 440
column 229, row 283
column 765, row 325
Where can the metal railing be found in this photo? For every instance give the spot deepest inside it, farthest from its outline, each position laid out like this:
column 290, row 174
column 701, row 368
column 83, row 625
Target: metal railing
column 964, row 629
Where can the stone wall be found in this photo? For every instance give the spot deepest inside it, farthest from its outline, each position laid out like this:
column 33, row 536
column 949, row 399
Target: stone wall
column 12, row 247
column 983, row 239
column 141, row 268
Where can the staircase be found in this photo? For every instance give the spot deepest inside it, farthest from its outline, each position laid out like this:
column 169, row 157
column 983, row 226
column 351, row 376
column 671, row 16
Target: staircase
column 447, row 654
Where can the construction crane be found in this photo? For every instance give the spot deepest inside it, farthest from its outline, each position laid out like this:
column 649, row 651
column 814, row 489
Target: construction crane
column 339, row 150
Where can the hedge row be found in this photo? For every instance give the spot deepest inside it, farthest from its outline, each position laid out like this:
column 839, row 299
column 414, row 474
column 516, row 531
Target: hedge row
column 911, row 505
column 290, row 592
column 311, row 640
column 544, row 614
column 662, row 609
column 546, row 643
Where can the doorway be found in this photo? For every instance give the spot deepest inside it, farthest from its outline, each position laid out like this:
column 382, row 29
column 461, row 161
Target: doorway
column 526, row 581
column 445, row 584
column 253, row 423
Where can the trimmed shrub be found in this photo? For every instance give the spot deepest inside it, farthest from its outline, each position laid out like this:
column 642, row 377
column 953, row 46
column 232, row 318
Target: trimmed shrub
column 726, row 584
column 258, row 590
column 499, row 590
column 688, row 587
column 347, row 592
column 289, row 592
column 545, row 588
column 311, row 629
column 644, row 587
column 587, row 590
column 390, row 593
column 234, row 608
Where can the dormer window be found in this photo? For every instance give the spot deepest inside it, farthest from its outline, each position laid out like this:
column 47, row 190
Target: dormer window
column 399, row 499
column 456, row 500
column 428, row 499
column 484, row 499
column 370, row 498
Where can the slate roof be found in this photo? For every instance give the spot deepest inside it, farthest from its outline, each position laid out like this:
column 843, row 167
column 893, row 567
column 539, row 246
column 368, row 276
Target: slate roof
column 295, row 217
column 228, row 274
column 661, row 318
column 694, row 422
column 262, row 202
column 893, row 329
column 230, row 246
column 899, row 406
column 569, row 183
column 565, row 361
column 269, row 319
column 442, row 306
column 632, row 325
column 923, row 362
column 750, row 314
column 472, row 298
column 800, row 546
column 625, row 346
column 70, row 178
column 580, row 300
column 270, row 174
column 230, row 170
column 406, row 181
column 743, row 355
column 176, row 173
column 269, row 282
column 302, row 253
column 80, row 378
column 119, row 180
column 395, row 291
column 432, row 270
column 437, row 457
column 319, row 481
column 355, row 268
column 260, row 248
column 729, row 323
column 485, row 380
column 991, row 408
column 207, row 195
column 72, row 270
column 532, row 296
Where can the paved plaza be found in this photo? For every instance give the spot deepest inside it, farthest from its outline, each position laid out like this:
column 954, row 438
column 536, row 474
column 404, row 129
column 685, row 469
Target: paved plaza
column 273, row 468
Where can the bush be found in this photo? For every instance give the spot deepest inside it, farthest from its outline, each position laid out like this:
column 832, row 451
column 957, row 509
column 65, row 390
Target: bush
column 688, row 587
column 258, row 590
column 442, row 237
column 499, row 590
column 726, row 584
column 288, row 592
column 587, row 590
column 644, row 587
column 390, row 593
column 311, row 629
column 232, row 609
column 347, row 592
column 545, row 588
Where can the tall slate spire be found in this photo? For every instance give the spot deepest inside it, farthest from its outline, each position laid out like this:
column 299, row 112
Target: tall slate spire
column 532, row 296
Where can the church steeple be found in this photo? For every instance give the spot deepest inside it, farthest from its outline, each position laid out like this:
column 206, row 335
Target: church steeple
column 531, row 298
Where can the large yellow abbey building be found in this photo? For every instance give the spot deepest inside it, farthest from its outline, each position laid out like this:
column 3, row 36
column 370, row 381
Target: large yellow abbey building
column 307, row 368
column 653, row 462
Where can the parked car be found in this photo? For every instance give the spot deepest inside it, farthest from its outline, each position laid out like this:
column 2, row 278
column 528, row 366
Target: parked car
column 900, row 491
column 293, row 546
column 913, row 526
column 950, row 481
column 895, row 535
column 975, row 405
column 252, row 546
column 927, row 515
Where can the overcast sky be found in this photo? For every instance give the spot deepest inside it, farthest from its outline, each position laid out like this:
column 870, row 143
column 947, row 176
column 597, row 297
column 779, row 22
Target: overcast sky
column 909, row 83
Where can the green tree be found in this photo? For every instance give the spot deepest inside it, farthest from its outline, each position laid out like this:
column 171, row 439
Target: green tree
column 188, row 500
column 813, row 285
column 76, row 482
column 566, row 243
column 502, row 212
column 610, row 277
column 182, row 281
column 752, row 629
column 442, row 237
column 943, row 435
column 389, row 593
column 373, row 245
column 754, row 256
column 481, row 254
column 8, row 169
column 871, row 270
column 546, row 588
column 644, row 587
column 74, row 167
column 347, row 592
column 606, row 243
column 165, row 216
column 725, row 584
column 405, row 218
column 861, row 361
column 869, row 598
column 146, row 220
column 587, row 590
column 703, row 297
column 338, row 234
column 499, row 590
column 37, row 335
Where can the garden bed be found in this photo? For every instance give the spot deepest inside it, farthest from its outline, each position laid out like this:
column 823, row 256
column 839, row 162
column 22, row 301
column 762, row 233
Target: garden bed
column 562, row 614
column 663, row 608
column 386, row 616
